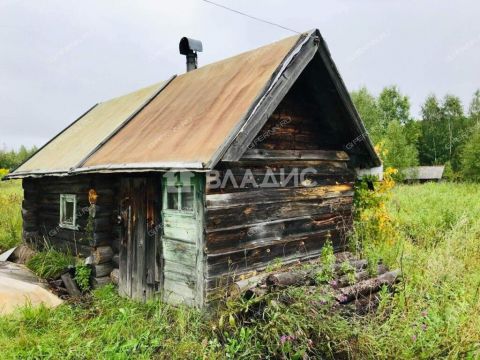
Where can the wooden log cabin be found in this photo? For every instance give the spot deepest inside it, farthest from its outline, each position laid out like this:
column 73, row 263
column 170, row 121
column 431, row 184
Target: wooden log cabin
column 207, row 177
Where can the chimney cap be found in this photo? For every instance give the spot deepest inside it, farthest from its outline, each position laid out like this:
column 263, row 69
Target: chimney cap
column 188, row 46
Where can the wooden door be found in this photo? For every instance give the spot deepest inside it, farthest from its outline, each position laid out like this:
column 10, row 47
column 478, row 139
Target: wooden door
column 140, row 260
column 182, row 239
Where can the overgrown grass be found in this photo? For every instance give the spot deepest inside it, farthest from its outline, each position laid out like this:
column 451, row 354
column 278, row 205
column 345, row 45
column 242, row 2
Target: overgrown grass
column 437, row 245
column 50, row 263
column 11, row 196
column 435, row 240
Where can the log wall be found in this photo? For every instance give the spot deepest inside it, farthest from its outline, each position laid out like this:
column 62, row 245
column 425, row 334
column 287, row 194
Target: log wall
column 41, row 212
column 246, row 229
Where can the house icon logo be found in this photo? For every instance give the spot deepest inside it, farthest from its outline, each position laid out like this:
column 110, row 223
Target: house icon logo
column 178, row 177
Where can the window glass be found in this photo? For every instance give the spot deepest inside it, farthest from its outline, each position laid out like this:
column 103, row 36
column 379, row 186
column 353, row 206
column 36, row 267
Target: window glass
column 67, row 211
column 172, row 197
column 187, row 198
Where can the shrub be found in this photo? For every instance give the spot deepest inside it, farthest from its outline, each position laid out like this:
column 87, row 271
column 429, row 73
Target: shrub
column 82, row 277
column 470, row 157
column 50, row 263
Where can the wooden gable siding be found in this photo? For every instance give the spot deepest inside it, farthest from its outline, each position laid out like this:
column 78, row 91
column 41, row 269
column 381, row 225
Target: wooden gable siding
column 41, row 212
column 248, row 228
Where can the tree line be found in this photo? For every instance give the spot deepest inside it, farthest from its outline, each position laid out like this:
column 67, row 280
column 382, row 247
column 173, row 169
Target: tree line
column 10, row 159
column 445, row 134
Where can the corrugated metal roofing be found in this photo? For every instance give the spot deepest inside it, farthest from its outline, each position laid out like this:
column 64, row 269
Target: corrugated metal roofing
column 191, row 118
column 188, row 122
column 76, row 142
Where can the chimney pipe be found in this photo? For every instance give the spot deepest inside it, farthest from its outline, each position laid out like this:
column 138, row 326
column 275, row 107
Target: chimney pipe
column 189, row 48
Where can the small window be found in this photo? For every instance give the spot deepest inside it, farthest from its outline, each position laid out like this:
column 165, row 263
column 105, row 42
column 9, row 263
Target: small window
column 180, row 196
column 68, row 210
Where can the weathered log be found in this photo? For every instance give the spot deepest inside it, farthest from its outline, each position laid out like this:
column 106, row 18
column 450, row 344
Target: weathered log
column 116, row 259
column 240, row 286
column 115, row 276
column 356, row 264
column 101, row 281
column 102, row 254
column 289, row 278
column 256, row 291
column 70, row 285
column 366, row 287
column 102, row 269
column 359, row 276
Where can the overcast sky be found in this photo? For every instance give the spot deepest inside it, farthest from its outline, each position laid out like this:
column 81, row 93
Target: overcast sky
column 58, row 58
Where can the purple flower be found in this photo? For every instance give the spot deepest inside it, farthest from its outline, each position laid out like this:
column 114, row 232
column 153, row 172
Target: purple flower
column 414, row 337
column 333, row 283
column 424, row 327
column 283, row 339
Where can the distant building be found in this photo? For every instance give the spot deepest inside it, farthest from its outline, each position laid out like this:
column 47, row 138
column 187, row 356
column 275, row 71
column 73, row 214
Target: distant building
column 424, row 173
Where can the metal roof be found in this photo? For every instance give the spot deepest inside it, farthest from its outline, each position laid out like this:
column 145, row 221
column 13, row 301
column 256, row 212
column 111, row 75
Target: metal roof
column 67, row 150
column 193, row 121
column 189, row 120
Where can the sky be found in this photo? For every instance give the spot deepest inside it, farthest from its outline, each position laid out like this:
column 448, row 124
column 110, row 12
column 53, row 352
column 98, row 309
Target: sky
column 58, row 58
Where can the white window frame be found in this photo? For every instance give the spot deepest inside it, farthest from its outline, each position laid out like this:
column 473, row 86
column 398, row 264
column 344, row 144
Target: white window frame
column 179, row 184
column 64, row 198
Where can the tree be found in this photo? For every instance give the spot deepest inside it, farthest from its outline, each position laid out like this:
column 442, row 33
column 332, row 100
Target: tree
column 470, row 157
column 394, row 106
column 369, row 111
column 397, row 152
column 12, row 159
column 474, row 109
column 430, row 134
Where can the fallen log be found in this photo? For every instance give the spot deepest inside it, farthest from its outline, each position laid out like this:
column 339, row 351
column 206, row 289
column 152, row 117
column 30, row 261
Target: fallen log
column 102, row 254
column 359, row 276
column 366, row 287
column 289, row 278
column 356, row 264
column 70, row 285
column 240, row 286
column 115, row 276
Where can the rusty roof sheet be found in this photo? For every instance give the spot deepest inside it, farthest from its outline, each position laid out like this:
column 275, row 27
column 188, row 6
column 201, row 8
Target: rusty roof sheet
column 81, row 138
column 191, row 118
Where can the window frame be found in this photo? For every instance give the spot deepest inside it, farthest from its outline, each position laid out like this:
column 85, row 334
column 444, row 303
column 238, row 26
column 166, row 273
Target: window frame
column 179, row 185
column 64, row 198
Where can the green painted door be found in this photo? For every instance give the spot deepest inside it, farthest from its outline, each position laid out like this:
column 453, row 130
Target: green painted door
column 182, row 239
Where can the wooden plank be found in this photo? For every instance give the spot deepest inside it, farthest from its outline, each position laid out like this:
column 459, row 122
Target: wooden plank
column 179, row 251
column 261, row 154
column 256, row 213
column 271, row 195
column 252, row 125
column 244, row 236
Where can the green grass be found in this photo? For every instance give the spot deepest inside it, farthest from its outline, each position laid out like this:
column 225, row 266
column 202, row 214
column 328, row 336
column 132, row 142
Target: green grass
column 433, row 314
column 11, row 196
column 50, row 263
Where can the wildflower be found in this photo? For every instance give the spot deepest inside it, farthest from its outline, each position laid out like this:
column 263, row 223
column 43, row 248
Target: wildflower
column 310, row 343
column 424, row 327
column 333, row 283
column 414, row 337
column 283, row 339
column 424, row 313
